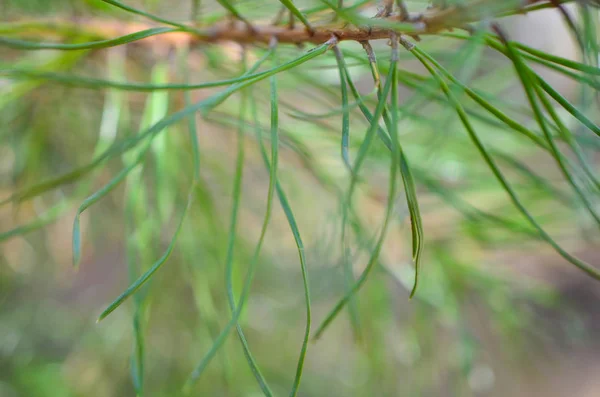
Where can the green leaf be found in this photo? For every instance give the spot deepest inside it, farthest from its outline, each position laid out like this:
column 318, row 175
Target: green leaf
column 93, row 83
column 291, row 220
column 205, row 106
column 531, row 88
column 346, row 262
column 236, row 198
column 297, row 13
column 150, row 272
column 94, row 45
column 346, row 108
column 419, row 54
column 300, row 246
column 373, row 127
column 409, row 186
column 40, row 222
column 76, row 244
column 94, row 198
column 470, row 212
column 568, row 106
column 229, row 7
column 148, row 15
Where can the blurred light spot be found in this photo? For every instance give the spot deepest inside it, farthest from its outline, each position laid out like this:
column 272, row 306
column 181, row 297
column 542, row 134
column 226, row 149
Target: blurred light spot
column 451, row 171
column 9, row 340
column 481, row 378
column 407, row 351
column 7, row 159
column 354, row 371
column 20, row 256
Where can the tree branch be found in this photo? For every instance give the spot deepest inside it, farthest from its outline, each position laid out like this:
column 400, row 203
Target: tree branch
column 430, row 22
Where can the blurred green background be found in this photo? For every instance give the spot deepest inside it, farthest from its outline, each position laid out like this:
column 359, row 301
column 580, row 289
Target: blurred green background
column 497, row 312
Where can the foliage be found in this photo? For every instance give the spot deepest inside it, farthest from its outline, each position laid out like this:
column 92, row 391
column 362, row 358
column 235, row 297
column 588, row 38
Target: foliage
column 209, row 217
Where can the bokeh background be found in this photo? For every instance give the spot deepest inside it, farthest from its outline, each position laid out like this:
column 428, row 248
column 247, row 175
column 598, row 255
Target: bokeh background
column 497, row 313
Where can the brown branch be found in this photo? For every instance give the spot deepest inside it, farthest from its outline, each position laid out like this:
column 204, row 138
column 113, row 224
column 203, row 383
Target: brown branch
column 235, row 31
column 430, row 22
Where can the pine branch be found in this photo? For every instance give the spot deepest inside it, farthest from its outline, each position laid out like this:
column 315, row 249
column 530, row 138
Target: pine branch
column 431, row 21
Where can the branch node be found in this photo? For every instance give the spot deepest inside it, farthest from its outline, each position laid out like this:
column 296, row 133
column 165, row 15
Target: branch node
column 501, row 34
column 406, row 44
column 333, row 41
column 394, row 42
column 369, row 50
column 232, row 28
column 251, row 29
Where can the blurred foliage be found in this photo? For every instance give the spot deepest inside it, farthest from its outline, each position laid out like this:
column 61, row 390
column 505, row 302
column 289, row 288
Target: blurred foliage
column 286, row 193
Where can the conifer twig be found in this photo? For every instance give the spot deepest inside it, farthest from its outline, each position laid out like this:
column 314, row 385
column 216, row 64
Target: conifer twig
column 431, row 21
